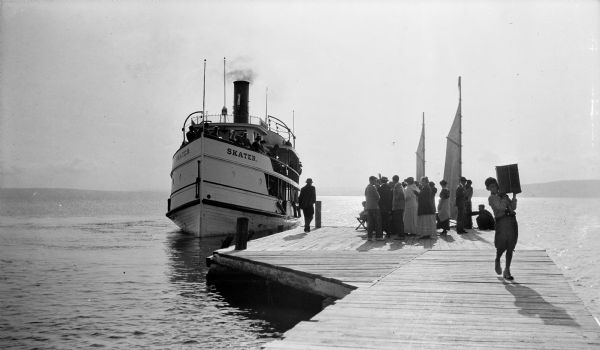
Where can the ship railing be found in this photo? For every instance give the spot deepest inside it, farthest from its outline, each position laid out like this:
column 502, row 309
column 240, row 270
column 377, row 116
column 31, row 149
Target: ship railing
column 272, row 124
column 279, row 127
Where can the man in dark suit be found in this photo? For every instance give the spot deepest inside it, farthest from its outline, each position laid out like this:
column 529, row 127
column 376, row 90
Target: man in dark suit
column 385, row 206
column 461, row 199
column 308, row 197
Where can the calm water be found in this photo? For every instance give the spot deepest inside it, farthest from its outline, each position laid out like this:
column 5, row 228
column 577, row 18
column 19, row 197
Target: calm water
column 109, row 270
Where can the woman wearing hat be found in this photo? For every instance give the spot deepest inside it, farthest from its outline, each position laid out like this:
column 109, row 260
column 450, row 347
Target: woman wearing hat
column 443, row 208
column 425, row 211
column 410, row 207
column 507, row 230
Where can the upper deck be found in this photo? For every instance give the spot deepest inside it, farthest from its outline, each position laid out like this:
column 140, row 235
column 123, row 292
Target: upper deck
column 271, row 137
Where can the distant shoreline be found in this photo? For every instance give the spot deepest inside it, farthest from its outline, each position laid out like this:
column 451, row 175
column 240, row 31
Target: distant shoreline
column 555, row 189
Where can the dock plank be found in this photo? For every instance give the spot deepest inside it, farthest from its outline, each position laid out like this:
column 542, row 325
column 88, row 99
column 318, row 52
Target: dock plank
column 420, row 294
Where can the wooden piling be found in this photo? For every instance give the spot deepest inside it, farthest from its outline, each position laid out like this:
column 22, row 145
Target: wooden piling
column 318, row 214
column 241, row 234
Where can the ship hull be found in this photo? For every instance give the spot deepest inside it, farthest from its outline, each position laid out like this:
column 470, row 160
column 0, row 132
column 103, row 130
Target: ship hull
column 214, row 183
column 219, row 220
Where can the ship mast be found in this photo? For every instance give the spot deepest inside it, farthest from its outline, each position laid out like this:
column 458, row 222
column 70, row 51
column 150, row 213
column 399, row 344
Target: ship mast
column 224, row 109
column 204, row 91
column 199, row 180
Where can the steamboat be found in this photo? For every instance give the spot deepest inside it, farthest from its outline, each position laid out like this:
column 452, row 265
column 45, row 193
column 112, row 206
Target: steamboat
column 235, row 166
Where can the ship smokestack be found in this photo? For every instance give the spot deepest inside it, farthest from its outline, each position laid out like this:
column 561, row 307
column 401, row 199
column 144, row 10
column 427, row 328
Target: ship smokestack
column 240, row 101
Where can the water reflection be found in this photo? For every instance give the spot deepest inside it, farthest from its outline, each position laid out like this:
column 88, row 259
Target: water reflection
column 187, row 255
column 268, row 307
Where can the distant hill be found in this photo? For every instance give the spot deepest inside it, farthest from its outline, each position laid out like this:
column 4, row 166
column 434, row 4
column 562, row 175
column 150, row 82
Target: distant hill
column 567, row 188
column 69, row 193
column 564, row 189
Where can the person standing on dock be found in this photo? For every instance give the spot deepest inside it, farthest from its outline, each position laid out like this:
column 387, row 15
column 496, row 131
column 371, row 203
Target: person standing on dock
column 306, row 201
column 397, row 207
column 443, row 208
column 410, row 207
column 372, row 208
column 507, row 230
column 468, row 204
column 460, row 205
column 385, row 206
column 425, row 211
column 433, row 192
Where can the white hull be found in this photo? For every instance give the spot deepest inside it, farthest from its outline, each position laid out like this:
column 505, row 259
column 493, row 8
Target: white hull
column 215, row 182
column 222, row 221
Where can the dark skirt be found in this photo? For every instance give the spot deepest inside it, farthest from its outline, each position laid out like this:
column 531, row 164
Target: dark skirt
column 507, row 233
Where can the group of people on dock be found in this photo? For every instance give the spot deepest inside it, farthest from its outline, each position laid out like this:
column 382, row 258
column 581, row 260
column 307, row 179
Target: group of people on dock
column 408, row 208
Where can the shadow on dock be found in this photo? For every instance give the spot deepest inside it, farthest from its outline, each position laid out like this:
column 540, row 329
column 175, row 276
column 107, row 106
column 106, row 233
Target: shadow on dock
column 532, row 304
column 294, row 237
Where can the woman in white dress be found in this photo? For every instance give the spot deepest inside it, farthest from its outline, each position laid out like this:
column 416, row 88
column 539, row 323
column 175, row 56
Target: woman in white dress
column 444, row 208
column 410, row 207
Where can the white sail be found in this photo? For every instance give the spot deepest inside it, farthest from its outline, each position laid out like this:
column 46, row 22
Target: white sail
column 421, row 153
column 452, row 167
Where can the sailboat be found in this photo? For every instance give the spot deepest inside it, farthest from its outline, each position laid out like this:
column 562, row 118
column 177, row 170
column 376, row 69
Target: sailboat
column 453, row 164
column 421, row 153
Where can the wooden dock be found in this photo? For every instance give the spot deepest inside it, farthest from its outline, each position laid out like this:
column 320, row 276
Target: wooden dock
column 419, row 294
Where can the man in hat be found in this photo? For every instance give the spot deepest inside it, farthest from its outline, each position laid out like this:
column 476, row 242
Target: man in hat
column 308, row 197
column 373, row 214
column 460, row 204
column 385, row 206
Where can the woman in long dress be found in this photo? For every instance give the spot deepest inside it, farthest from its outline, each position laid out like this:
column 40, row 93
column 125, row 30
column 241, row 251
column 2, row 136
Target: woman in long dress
column 443, row 208
column 468, row 204
column 410, row 207
column 426, row 211
column 507, row 230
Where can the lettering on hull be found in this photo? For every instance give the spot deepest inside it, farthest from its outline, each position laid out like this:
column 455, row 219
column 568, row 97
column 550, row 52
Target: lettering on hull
column 239, row 154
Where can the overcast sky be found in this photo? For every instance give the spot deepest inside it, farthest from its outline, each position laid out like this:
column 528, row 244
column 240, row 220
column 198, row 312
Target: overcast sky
column 93, row 94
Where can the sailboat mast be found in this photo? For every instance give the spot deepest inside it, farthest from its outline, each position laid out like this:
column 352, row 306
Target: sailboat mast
column 424, row 172
column 459, row 128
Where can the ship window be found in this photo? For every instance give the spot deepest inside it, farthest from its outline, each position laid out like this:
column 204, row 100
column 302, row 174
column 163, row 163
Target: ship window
column 279, row 188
